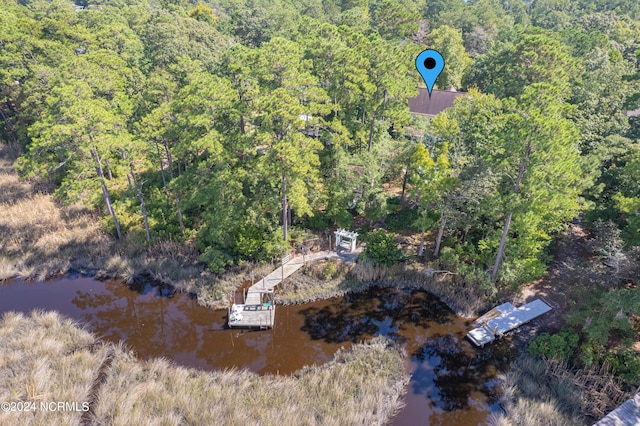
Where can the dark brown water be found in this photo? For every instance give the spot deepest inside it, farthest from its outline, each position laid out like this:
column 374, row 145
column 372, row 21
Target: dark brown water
column 452, row 383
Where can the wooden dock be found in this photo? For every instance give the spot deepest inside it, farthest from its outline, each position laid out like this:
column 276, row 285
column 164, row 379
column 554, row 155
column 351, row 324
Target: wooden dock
column 628, row 414
column 259, row 309
column 504, row 318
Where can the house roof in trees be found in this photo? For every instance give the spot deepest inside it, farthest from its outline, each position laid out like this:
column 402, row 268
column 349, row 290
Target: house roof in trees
column 634, row 113
column 439, row 101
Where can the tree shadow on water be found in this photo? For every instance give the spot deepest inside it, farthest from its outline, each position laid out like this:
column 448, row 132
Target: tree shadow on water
column 377, row 311
column 450, row 371
column 355, row 317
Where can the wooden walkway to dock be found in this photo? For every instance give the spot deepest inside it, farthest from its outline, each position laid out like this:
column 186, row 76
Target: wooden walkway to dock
column 628, row 414
column 258, row 309
column 504, row 318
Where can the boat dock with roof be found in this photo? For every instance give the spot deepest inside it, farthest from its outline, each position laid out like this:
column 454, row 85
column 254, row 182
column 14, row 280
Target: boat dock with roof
column 504, row 318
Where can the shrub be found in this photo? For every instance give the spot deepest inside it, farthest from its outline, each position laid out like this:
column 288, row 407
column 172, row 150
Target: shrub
column 559, row 345
column 382, row 247
column 402, row 219
column 216, row 260
column 248, row 241
column 626, row 364
column 329, row 270
column 318, row 222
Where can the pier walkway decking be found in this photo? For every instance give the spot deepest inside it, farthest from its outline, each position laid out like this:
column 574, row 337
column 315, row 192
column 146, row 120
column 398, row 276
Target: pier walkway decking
column 504, row 318
column 259, row 309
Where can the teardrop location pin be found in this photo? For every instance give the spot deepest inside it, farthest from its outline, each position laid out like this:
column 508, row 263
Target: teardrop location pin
column 430, row 64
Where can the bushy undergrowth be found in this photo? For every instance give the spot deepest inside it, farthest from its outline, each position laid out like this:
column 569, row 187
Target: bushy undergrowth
column 46, row 357
column 382, row 247
column 559, row 345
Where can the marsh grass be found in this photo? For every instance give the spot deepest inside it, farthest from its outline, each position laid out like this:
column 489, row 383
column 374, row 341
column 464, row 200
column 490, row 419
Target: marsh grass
column 46, row 358
column 362, row 386
column 322, row 279
column 548, row 392
column 531, row 397
column 49, row 358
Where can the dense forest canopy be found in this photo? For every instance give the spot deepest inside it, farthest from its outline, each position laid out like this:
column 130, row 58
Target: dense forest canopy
column 238, row 124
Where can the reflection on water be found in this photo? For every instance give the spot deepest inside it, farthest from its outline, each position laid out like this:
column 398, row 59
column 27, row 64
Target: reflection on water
column 157, row 322
column 452, row 382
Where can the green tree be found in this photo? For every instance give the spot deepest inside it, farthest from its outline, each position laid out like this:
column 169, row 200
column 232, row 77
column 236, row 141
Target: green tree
column 430, row 178
column 520, row 164
column 382, row 247
column 203, row 13
column 538, row 155
column 70, row 142
column 529, row 57
column 393, row 19
column 448, row 42
column 290, row 100
column 627, row 199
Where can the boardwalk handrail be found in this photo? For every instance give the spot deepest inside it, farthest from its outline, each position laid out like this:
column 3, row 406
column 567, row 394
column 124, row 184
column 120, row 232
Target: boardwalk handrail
column 286, row 259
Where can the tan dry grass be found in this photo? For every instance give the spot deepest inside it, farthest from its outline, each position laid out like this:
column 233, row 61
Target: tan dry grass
column 362, row 386
column 45, row 358
column 39, row 238
column 531, row 397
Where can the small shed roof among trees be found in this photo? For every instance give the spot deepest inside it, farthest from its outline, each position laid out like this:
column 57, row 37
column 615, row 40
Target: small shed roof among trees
column 431, row 106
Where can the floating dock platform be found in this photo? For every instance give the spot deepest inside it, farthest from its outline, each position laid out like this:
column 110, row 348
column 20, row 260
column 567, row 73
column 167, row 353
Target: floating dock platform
column 260, row 316
column 504, row 318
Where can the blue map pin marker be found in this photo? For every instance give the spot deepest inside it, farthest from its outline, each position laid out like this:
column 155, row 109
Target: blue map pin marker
column 430, row 64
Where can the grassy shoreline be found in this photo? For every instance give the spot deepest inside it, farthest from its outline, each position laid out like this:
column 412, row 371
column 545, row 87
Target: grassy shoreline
column 46, row 357
column 44, row 239
column 328, row 279
column 547, row 392
column 47, row 240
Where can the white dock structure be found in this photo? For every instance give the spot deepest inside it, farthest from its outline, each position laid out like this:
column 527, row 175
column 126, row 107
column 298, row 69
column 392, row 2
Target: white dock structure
column 259, row 309
column 504, row 318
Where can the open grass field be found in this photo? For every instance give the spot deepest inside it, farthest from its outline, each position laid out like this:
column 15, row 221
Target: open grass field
column 47, row 358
